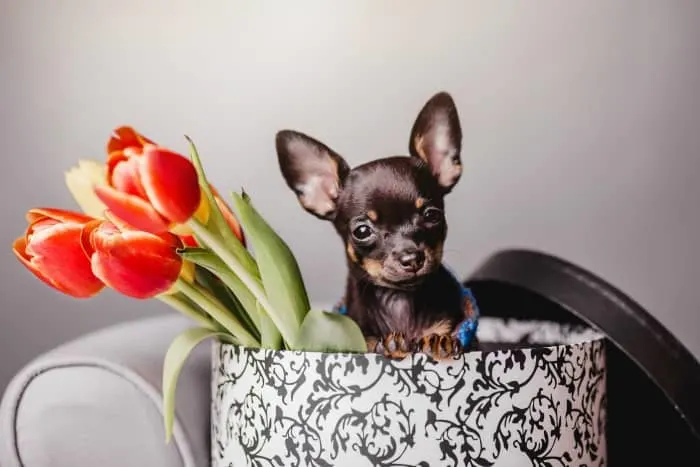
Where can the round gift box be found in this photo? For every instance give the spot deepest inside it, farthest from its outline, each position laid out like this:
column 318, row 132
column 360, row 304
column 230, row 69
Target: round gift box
column 535, row 395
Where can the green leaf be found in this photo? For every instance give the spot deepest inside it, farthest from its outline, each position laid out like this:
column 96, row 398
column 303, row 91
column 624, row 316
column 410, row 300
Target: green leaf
column 216, row 310
column 190, row 309
column 217, row 218
column 227, row 298
column 279, row 271
column 251, row 311
column 323, row 331
column 210, row 261
column 255, row 313
column 175, row 357
column 235, row 270
column 271, row 337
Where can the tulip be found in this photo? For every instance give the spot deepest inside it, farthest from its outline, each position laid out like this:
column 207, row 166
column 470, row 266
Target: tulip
column 51, row 249
column 148, row 186
column 81, row 181
column 135, row 263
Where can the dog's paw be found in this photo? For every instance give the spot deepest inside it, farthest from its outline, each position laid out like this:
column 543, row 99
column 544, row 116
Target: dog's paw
column 439, row 346
column 394, row 346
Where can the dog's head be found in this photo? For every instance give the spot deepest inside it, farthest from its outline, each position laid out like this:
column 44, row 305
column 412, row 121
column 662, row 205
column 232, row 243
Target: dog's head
column 389, row 212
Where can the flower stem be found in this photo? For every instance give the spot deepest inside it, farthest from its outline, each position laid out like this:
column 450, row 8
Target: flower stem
column 252, row 283
column 187, row 308
column 217, row 312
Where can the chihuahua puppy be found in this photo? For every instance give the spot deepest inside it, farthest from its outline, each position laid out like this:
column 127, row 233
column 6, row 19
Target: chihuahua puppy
column 389, row 214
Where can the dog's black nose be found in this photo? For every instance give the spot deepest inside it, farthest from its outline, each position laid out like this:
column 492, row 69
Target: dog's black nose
column 412, row 261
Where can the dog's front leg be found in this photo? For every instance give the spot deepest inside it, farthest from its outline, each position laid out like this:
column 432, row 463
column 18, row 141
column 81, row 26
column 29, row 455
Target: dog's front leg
column 445, row 340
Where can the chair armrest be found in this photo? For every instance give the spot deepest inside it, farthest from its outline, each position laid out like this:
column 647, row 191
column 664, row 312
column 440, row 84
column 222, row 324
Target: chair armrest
column 97, row 401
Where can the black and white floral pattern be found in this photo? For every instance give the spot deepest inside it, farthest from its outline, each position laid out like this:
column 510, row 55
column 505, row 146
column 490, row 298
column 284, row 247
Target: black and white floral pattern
column 535, row 405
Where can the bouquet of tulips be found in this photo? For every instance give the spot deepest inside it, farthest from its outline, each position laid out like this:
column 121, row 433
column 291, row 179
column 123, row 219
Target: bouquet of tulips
column 152, row 226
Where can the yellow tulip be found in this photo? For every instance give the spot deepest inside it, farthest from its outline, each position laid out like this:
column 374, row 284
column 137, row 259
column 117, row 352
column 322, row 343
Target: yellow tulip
column 81, row 181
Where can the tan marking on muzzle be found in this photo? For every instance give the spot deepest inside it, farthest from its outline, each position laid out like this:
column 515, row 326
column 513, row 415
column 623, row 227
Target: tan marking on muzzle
column 372, row 267
column 351, row 253
column 372, row 215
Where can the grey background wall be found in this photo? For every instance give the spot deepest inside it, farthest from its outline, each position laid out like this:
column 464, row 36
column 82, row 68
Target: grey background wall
column 581, row 127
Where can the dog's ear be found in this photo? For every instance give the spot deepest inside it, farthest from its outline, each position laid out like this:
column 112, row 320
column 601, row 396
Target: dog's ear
column 312, row 170
column 436, row 139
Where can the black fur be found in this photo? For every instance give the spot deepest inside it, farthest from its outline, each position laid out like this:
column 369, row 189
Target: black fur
column 389, row 214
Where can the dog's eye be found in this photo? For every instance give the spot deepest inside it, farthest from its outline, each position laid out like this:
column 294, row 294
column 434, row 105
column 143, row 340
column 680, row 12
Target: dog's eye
column 362, row 232
column 432, row 215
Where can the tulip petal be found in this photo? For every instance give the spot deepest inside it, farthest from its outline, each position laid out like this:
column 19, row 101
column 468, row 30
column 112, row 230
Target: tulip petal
column 188, row 271
column 230, row 218
column 54, row 255
column 86, row 236
column 201, row 214
column 124, row 137
column 132, row 210
column 19, row 248
column 171, row 183
column 80, row 181
column 136, row 264
column 117, row 274
column 113, row 160
column 126, row 179
column 189, row 241
column 60, row 215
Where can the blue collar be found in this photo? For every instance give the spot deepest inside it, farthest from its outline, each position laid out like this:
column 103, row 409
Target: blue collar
column 467, row 330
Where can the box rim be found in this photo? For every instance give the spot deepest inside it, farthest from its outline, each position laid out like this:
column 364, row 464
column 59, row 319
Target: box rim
column 217, row 344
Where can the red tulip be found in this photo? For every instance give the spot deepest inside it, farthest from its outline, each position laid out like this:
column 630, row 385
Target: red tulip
column 51, row 249
column 231, row 220
column 135, row 263
column 148, row 186
column 189, row 241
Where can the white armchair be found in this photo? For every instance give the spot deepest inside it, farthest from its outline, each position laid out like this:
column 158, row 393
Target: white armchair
column 97, row 402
